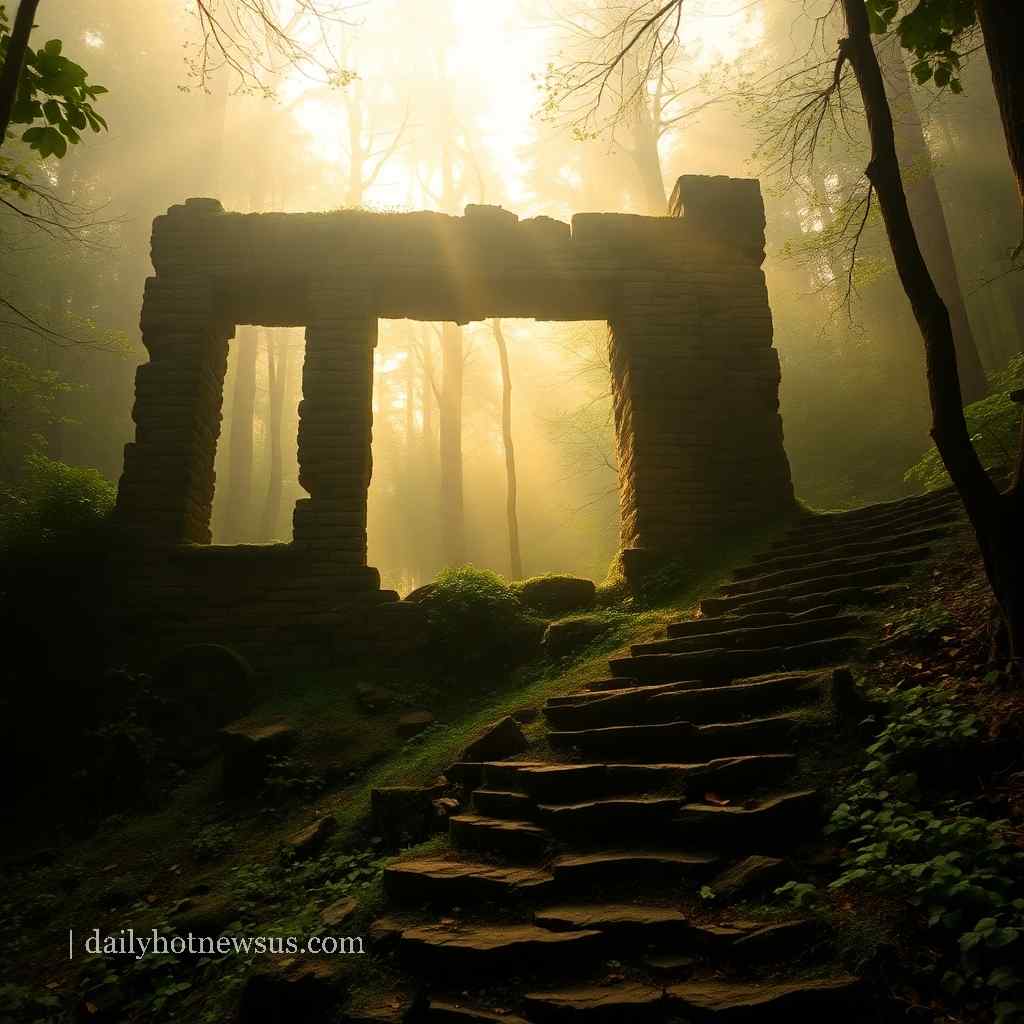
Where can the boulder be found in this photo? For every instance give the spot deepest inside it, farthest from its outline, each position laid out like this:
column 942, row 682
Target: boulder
column 204, row 687
column 413, row 723
column 209, row 916
column 570, row 635
column 375, row 698
column 247, row 754
column 420, row 593
column 556, row 595
column 384, row 934
column 750, row 875
column 338, row 911
column 403, row 815
column 500, row 740
column 311, row 840
column 302, row 992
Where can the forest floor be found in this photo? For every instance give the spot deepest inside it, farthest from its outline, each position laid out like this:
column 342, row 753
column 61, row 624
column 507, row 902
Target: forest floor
column 202, row 862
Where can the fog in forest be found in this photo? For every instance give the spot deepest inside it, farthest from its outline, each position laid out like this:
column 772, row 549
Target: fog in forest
column 449, row 102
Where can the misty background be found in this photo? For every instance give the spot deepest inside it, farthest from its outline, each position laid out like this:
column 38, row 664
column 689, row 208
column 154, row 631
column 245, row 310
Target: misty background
column 453, row 102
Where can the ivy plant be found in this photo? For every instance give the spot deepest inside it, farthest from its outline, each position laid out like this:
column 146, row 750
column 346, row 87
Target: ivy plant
column 962, row 871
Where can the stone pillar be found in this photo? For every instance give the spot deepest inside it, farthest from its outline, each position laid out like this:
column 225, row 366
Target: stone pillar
column 166, row 489
column 335, row 421
column 696, row 379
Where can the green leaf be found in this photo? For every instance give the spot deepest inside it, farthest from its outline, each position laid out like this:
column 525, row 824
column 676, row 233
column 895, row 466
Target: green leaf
column 1004, row 978
column 69, row 133
column 53, row 47
column 922, row 71
column 1000, row 937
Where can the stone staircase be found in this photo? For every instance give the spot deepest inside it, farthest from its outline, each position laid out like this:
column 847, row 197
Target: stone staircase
column 571, row 888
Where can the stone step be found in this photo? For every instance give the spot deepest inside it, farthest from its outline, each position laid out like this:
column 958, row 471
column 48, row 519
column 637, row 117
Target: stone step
column 721, row 703
column 756, row 638
column 783, row 940
column 876, row 577
column 725, row 623
column 574, row 872
column 828, row 534
column 581, row 696
column 626, row 694
column 718, row 607
column 609, row 818
column 769, row 824
column 459, row 882
column 591, row 708
column 651, row 743
column 516, row 840
column 622, row 922
column 497, row 803
column 836, row 568
column 799, row 554
column 708, row 704
column 613, row 683
column 795, row 1002
column 504, row 775
column 453, row 1010
column 460, row 950
column 575, row 783
column 887, row 511
column 621, row 1003
column 721, row 665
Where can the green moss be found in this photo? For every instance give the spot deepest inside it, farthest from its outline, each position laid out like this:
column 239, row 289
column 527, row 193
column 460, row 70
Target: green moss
column 994, row 426
column 476, row 621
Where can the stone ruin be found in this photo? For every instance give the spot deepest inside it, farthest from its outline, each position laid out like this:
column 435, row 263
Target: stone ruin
column 695, row 379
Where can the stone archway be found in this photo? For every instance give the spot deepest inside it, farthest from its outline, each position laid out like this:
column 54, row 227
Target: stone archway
column 695, row 377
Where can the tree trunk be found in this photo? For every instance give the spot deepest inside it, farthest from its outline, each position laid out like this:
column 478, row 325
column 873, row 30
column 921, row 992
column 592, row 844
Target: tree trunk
column 357, row 156
column 1002, row 26
column 515, row 555
column 453, row 516
column 428, row 388
column 277, row 375
column 648, row 162
column 929, row 217
column 239, row 503
column 14, row 62
column 996, row 517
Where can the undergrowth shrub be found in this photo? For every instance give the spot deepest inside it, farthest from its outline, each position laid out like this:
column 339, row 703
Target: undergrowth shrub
column 476, row 621
column 994, row 426
column 53, row 529
column 56, row 506
column 960, row 871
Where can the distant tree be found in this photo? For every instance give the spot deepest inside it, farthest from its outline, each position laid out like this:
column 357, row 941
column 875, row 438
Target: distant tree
column 238, row 508
column 511, row 515
column 277, row 352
